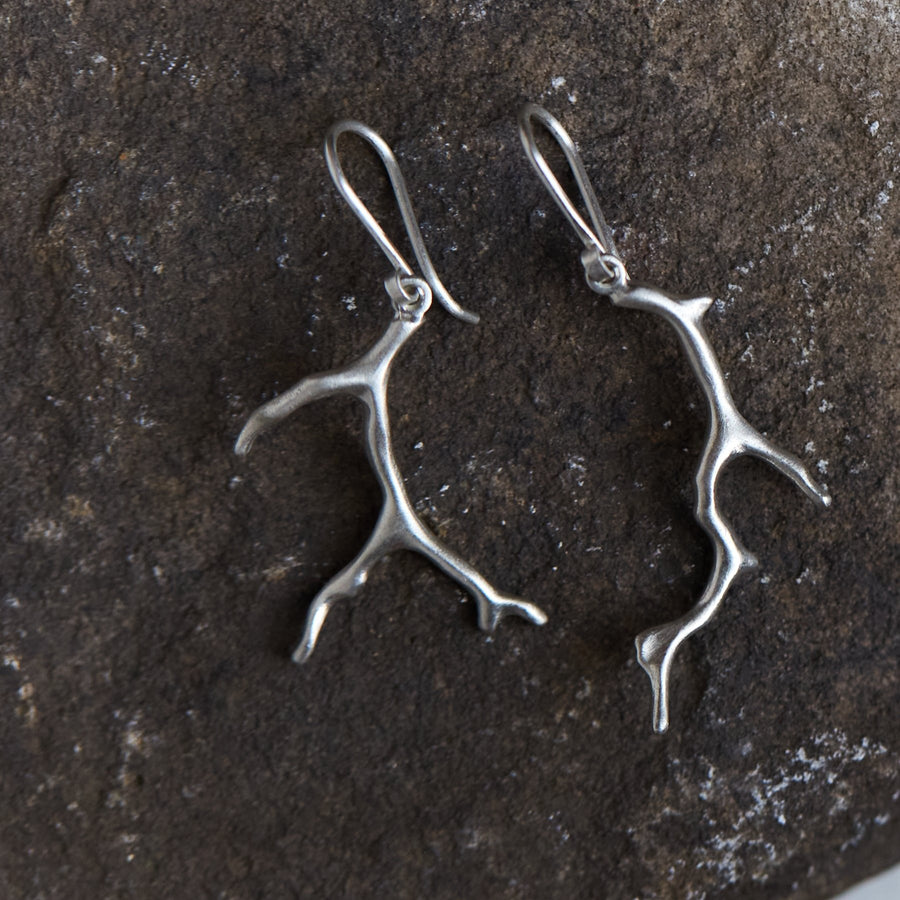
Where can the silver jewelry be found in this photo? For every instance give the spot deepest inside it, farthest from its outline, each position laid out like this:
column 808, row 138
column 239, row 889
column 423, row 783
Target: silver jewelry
column 398, row 526
column 729, row 436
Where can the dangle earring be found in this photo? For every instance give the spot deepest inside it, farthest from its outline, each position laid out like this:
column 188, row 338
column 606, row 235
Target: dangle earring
column 398, row 526
column 729, row 435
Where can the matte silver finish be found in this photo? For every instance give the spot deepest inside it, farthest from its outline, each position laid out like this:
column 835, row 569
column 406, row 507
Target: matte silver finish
column 398, row 525
column 729, row 436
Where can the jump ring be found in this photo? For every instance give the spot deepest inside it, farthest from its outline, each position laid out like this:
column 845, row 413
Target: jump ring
column 612, row 275
column 410, row 296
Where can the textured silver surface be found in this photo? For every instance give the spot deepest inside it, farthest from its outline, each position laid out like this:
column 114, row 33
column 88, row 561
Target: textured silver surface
column 729, row 435
column 398, row 526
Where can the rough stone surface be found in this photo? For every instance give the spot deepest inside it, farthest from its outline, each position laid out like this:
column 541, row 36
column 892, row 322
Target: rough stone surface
column 173, row 252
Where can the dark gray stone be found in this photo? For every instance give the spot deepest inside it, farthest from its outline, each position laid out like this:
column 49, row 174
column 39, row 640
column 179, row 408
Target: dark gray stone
column 173, row 252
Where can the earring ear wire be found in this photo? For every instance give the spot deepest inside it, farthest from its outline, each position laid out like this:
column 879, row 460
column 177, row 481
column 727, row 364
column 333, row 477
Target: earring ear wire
column 342, row 183
column 601, row 237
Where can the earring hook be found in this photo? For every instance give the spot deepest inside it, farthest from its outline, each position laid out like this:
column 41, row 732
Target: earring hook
column 600, row 248
column 403, row 202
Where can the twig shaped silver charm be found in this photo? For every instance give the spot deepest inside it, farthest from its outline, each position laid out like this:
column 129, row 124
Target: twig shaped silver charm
column 729, row 435
column 398, row 526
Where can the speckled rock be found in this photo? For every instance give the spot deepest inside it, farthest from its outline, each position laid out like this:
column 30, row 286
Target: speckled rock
column 173, row 253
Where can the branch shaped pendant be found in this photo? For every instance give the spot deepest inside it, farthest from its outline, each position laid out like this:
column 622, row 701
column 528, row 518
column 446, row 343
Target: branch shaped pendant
column 729, row 435
column 398, row 526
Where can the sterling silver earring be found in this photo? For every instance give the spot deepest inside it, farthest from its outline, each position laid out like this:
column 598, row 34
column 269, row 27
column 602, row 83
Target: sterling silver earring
column 398, row 526
column 729, row 435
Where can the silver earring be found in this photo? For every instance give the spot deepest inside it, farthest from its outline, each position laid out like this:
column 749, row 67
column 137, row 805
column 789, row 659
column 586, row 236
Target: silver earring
column 729, row 436
column 398, row 526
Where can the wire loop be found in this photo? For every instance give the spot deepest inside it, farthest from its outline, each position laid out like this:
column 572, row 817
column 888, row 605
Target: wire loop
column 410, row 297
column 401, row 266
column 605, row 273
column 600, row 238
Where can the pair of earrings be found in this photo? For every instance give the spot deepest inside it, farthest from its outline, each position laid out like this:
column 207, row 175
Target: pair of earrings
column 411, row 295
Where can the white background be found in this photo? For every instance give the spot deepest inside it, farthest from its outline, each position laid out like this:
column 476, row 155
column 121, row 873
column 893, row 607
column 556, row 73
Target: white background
column 883, row 887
